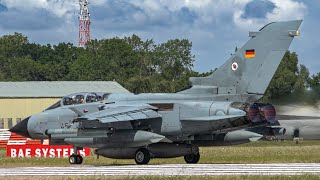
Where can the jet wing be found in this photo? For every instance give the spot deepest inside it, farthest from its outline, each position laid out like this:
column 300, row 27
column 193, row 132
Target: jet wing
column 122, row 113
column 213, row 118
column 213, row 123
column 130, row 120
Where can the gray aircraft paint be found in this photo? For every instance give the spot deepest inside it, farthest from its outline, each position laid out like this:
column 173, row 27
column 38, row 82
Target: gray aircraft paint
column 203, row 114
column 308, row 129
column 252, row 75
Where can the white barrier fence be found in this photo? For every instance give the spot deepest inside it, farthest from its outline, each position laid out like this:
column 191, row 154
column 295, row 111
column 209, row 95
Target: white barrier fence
column 8, row 138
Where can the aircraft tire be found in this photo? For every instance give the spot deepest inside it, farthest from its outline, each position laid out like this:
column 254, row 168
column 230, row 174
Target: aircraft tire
column 73, row 159
column 142, row 156
column 79, row 159
column 192, row 158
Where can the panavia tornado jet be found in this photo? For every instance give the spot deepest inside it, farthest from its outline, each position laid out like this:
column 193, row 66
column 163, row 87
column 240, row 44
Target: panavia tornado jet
column 294, row 128
column 164, row 125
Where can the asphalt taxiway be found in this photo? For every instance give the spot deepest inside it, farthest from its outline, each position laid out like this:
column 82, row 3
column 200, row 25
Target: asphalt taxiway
column 168, row 170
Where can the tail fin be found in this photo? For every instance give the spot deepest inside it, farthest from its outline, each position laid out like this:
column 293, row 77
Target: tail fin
column 251, row 68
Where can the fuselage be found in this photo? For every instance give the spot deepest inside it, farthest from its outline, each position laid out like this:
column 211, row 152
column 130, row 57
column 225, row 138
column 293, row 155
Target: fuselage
column 173, row 108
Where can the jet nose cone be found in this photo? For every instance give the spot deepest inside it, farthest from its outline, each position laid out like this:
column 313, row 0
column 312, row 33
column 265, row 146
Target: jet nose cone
column 21, row 128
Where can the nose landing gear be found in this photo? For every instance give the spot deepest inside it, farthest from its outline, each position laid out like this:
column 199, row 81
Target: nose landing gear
column 75, row 159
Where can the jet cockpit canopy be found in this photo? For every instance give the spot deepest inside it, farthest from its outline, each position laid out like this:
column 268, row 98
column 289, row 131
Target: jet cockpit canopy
column 80, row 98
column 84, row 97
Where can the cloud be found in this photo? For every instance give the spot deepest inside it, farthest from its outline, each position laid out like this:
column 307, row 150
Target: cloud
column 134, row 15
column 97, row 2
column 272, row 10
column 258, row 9
column 30, row 20
column 59, row 8
column 3, row 8
column 215, row 27
column 287, row 10
column 137, row 14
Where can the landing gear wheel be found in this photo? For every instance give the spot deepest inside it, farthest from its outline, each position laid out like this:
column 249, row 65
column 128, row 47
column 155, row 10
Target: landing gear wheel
column 192, row 158
column 142, row 156
column 79, row 159
column 73, row 159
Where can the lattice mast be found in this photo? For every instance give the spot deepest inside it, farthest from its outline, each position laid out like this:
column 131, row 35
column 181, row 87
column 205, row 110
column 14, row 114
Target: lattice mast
column 84, row 23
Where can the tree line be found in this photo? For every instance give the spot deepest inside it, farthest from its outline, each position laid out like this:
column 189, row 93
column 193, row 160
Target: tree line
column 139, row 65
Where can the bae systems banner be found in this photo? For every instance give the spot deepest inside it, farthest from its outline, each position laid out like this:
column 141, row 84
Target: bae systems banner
column 21, row 151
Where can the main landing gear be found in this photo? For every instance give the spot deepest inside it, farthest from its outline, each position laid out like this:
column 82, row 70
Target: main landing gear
column 192, row 158
column 142, row 156
column 76, row 158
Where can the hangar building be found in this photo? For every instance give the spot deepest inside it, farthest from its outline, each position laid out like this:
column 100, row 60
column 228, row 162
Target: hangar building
column 19, row 100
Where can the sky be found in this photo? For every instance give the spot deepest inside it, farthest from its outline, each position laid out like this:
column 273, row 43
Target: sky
column 215, row 27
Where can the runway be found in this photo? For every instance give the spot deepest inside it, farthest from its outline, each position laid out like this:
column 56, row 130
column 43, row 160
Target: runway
column 168, row 170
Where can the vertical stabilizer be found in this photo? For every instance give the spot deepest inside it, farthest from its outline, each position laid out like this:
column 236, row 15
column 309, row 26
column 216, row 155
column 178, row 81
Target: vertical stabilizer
column 251, row 68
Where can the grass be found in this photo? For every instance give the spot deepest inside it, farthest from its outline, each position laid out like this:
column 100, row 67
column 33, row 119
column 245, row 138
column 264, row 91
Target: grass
column 253, row 177
column 255, row 152
column 309, row 177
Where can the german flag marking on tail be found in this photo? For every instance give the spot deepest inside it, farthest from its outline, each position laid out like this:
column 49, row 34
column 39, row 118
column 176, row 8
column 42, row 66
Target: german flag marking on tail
column 250, row 53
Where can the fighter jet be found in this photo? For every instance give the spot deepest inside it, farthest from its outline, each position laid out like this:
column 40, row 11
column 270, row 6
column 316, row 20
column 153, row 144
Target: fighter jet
column 294, row 128
column 165, row 125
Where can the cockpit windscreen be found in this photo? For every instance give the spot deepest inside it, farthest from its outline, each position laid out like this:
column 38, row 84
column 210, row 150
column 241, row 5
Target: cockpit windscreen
column 80, row 98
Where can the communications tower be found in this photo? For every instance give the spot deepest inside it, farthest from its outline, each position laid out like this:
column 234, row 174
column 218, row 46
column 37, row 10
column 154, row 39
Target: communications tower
column 84, row 23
